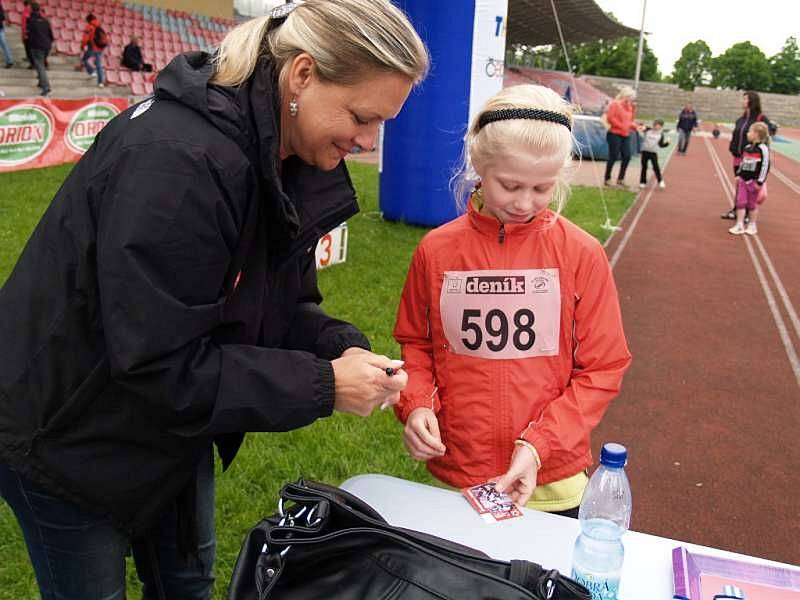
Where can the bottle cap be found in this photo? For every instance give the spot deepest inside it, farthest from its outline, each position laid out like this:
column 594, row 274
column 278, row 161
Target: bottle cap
column 613, row 455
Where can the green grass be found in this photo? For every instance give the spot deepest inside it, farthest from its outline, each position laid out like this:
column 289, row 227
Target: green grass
column 365, row 290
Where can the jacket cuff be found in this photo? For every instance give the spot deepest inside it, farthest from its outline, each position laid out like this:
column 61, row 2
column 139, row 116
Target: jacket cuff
column 538, row 441
column 335, row 347
column 324, row 387
column 406, row 407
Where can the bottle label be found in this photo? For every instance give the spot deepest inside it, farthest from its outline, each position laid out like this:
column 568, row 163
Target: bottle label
column 602, row 586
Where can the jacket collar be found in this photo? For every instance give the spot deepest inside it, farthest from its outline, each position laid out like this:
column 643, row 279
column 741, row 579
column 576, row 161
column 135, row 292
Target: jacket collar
column 491, row 226
column 249, row 114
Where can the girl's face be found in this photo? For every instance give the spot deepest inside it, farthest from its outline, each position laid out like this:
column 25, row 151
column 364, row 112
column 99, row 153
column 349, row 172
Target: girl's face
column 745, row 102
column 519, row 184
column 753, row 136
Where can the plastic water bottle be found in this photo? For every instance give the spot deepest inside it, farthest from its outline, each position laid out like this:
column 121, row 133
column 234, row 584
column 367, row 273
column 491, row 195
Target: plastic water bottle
column 605, row 515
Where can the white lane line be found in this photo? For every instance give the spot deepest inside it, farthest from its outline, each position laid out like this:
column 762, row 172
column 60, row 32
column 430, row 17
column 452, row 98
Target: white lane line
column 783, row 332
column 794, row 361
column 629, row 231
column 791, row 184
column 787, row 302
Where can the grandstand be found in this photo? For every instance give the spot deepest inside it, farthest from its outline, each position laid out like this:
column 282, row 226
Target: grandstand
column 163, row 33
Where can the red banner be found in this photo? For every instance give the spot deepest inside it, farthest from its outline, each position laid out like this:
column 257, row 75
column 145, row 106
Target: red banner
column 39, row 132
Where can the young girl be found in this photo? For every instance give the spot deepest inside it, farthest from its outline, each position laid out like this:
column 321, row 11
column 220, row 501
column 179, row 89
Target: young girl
column 509, row 321
column 751, row 177
column 653, row 140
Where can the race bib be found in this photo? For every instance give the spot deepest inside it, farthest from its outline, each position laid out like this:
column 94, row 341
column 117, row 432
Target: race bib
column 749, row 165
column 512, row 313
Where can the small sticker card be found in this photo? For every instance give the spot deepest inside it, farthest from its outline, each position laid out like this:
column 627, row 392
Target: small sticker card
column 490, row 504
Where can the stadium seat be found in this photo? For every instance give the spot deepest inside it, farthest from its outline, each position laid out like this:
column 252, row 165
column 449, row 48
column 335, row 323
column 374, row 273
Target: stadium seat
column 138, row 88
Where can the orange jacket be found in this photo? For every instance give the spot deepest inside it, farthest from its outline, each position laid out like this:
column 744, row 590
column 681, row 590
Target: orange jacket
column 483, row 404
column 620, row 117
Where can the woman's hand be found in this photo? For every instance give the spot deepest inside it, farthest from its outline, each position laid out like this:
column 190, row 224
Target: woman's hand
column 421, row 435
column 520, row 479
column 362, row 382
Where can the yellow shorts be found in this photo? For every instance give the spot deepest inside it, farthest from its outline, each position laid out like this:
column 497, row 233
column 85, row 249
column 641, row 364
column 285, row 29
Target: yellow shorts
column 553, row 497
column 559, row 495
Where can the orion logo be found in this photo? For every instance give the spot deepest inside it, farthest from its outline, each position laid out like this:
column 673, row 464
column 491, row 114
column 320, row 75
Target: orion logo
column 25, row 132
column 503, row 284
column 87, row 123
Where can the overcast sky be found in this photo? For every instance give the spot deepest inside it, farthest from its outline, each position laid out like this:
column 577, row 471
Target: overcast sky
column 721, row 23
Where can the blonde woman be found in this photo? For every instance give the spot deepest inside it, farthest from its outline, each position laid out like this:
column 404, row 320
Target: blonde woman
column 509, row 321
column 167, row 301
column 620, row 116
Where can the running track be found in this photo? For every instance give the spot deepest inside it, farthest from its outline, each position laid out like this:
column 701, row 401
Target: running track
column 710, row 408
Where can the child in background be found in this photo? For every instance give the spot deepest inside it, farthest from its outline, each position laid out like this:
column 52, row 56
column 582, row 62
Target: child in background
column 653, row 140
column 751, row 178
column 509, row 321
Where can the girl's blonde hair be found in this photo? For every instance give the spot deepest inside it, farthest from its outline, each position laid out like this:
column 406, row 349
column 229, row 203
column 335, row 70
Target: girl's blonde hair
column 348, row 39
column 497, row 139
column 762, row 130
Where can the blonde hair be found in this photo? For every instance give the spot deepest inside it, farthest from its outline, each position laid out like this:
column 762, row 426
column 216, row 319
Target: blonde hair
column 348, row 40
column 499, row 138
column 626, row 93
column 762, row 130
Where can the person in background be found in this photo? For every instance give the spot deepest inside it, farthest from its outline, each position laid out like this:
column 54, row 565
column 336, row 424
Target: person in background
column 751, row 178
column 132, row 57
column 92, row 53
column 23, row 28
column 7, row 55
column 620, row 117
column 687, row 122
column 653, row 140
column 509, row 321
column 40, row 41
column 751, row 103
column 167, row 302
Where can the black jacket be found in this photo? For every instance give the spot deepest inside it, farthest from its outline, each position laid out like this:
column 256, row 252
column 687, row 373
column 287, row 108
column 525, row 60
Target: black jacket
column 132, row 57
column 739, row 133
column 40, row 35
column 2, row 16
column 168, row 298
column 687, row 120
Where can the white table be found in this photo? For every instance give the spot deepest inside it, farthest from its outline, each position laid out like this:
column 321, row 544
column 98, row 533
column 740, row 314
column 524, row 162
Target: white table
column 539, row 537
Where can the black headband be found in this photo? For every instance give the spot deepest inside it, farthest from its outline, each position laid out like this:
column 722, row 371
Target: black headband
column 504, row 114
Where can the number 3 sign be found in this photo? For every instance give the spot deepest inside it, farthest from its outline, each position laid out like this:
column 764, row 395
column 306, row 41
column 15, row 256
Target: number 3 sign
column 502, row 314
column 332, row 247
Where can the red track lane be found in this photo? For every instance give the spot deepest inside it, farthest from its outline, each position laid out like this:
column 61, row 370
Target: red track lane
column 710, row 409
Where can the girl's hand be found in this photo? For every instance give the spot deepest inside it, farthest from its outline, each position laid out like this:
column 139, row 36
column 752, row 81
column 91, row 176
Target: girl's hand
column 421, row 435
column 520, row 479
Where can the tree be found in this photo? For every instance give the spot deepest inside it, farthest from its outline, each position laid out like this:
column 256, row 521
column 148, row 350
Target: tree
column 610, row 58
column 693, row 68
column 743, row 66
column 785, row 69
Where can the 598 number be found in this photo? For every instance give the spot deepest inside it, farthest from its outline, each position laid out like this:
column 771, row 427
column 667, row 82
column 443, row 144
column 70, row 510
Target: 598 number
column 496, row 325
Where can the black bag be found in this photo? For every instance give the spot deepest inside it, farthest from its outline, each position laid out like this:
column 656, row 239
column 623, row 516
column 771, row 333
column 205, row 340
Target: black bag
column 100, row 37
column 329, row 544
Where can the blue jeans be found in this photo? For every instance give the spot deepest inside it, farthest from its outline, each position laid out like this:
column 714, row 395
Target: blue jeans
column 683, row 140
column 618, row 146
column 98, row 63
column 6, row 49
column 81, row 556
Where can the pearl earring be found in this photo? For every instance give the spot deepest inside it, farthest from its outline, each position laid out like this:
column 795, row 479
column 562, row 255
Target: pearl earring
column 293, row 107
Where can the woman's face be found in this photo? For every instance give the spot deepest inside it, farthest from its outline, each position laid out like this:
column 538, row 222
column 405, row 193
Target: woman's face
column 332, row 119
column 745, row 102
column 518, row 185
